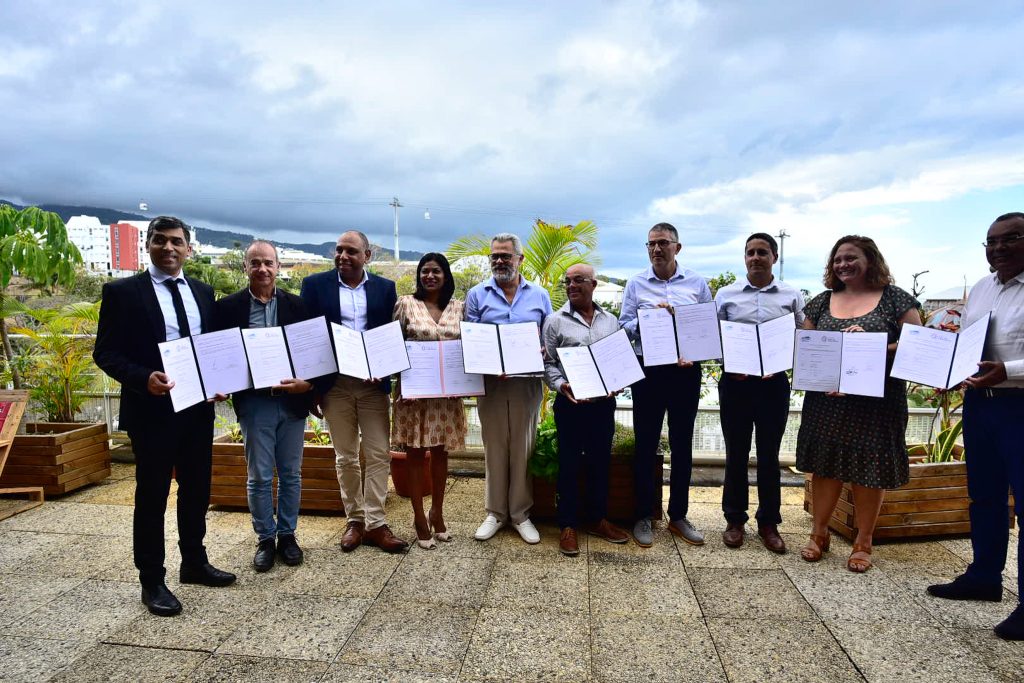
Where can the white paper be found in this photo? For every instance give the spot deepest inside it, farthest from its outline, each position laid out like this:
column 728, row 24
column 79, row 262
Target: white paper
column 616, row 361
column 817, row 360
column 741, row 351
column 697, row 331
column 385, row 350
column 970, row 346
column 581, row 372
column 776, row 339
column 349, row 352
column 863, row 368
column 423, row 378
column 480, row 348
column 657, row 336
column 268, row 356
column 309, row 343
column 222, row 364
column 457, row 382
column 520, row 348
column 180, row 366
column 923, row 355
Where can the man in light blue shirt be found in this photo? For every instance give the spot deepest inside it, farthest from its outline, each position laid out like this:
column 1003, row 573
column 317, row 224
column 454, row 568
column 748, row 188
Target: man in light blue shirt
column 674, row 389
column 511, row 408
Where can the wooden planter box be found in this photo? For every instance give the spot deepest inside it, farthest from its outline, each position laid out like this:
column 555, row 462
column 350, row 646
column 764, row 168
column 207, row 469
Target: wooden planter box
column 320, row 491
column 621, row 505
column 933, row 503
column 59, row 456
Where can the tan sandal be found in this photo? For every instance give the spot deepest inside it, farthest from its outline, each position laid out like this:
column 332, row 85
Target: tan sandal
column 860, row 559
column 816, row 546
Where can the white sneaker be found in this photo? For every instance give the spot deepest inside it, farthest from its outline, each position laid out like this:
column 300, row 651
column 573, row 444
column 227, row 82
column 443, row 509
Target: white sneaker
column 528, row 531
column 488, row 528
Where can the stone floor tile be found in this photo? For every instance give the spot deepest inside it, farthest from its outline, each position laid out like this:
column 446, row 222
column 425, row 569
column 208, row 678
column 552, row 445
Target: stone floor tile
column 1004, row 658
column 756, row 650
column 749, row 594
column 413, row 636
column 627, row 649
column 831, row 561
column 297, row 627
column 122, row 664
column 528, row 645
column 69, row 555
column 793, row 495
column 221, row 555
column 317, row 530
column 664, row 547
column 28, row 660
column 714, row 553
column 74, row 518
column 545, row 581
column 23, row 593
column 909, row 653
column 794, row 520
column 361, row 573
column 440, row 579
column 351, row 673
column 109, row 492
column 509, row 541
column 632, row 585
column 219, row 668
column 122, row 470
column 91, row 610
column 868, row 597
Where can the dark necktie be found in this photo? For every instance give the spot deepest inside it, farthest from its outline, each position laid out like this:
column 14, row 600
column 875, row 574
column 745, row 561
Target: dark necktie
column 179, row 308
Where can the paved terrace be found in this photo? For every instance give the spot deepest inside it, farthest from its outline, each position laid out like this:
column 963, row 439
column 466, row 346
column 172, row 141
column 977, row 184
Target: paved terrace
column 469, row 611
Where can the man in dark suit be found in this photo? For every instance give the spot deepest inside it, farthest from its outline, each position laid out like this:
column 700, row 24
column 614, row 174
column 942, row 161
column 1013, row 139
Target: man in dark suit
column 137, row 313
column 273, row 420
column 357, row 412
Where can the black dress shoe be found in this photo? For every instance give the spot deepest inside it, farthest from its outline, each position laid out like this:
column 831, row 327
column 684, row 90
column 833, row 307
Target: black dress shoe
column 264, row 558
column 160, row 601
column 289, row 550
column 206, row 575
column 963, row 588
column 1012, row 628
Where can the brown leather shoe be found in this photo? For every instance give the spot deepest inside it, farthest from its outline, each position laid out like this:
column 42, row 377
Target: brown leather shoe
column 567, row 542
column 769, row 534
column 352, row 537
column 382, row 538
column 733, row 535
column 608, row 531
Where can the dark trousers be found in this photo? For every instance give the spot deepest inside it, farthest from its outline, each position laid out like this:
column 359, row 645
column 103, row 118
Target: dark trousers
column 675, row 390
column 182, row 442
column 995, row 459
column 748, row 405
column 585, row 433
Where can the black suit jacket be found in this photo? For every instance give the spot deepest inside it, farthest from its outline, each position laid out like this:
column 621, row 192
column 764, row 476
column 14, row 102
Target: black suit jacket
column 130, row 327
column 320, row 292
column 233, row 311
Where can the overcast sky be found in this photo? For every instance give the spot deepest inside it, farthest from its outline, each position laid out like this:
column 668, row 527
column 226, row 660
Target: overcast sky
column 298, row 120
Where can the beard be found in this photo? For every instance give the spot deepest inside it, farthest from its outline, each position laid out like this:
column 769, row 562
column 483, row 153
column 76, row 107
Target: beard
column 504, row 276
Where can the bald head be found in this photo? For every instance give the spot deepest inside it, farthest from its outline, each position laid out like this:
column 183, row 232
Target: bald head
column 579, row 287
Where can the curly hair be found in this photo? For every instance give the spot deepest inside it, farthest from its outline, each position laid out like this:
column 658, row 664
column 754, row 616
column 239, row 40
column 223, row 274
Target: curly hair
column 877, row 275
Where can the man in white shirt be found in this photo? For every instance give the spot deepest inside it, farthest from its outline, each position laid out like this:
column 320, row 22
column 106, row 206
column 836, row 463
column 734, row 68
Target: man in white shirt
column 993, row 410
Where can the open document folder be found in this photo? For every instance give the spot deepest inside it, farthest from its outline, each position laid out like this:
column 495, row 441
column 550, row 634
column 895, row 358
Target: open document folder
column 602, row 368
column 301, row 349
column 938, row 358
column 436, row 371
column 686, row 332
column 758, row 350
column 373, row 354
column 510, row 349
column 847, row 362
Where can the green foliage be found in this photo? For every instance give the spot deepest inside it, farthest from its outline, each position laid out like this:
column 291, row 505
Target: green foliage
column 35, row 243
column 466, row 279
column 223, row 281
column 406, row 284
column 721, row 280
column 316, row 434
column 544, row 461
column 233, row 260
column 947, row 404
column 623, row 442
column 232, row 430
column 87, row 286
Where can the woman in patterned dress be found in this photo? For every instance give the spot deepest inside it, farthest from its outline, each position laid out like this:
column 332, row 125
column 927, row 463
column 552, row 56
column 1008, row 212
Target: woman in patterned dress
column 860, row 439
column 437, row 425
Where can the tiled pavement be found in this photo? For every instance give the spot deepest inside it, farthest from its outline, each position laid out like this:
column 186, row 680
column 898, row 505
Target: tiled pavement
column 469, row 611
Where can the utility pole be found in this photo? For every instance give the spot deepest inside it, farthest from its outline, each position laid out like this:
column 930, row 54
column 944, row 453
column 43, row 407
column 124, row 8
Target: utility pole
column 782, row 253
column 396, row 205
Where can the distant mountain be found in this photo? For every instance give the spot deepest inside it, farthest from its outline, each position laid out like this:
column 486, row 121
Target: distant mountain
column 216, row 238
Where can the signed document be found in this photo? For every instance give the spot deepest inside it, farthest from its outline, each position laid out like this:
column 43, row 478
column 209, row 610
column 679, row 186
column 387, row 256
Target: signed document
column 373, row 354
column 510, row 349
column 938, row 358
column 761, row 349
column 309, row 344
column 268, row 356
column 697, row 331
column 602, row 368
column 222, row 363
column 436, row 371
column 657, row 336
column 180, row 366
column 847, row 362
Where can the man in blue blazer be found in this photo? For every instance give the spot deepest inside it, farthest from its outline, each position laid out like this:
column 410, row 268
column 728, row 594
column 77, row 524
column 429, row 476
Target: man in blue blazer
column 357, row 412
column 137, row 313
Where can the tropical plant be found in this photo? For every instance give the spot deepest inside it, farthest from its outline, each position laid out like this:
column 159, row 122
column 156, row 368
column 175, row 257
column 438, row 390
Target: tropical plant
column 35, row 245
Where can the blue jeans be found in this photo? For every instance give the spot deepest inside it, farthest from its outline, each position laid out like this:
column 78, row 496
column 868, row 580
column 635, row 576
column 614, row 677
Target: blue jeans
column 273, row 439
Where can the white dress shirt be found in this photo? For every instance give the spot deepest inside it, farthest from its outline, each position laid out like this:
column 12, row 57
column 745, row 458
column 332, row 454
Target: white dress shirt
column 353, row 303
column 647, row 290
column 1005, row 341
column 163, row 297
column 743, row 302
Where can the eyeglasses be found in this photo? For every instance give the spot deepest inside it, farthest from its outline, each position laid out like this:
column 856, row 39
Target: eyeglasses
column 1008, row 240
column 661, row 244
column 267, row 263
column 502, row 257
column 578, row 280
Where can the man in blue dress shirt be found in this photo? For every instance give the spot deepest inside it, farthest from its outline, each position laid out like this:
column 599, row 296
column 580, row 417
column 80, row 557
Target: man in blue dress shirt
column 674, row 389
column 509, row 411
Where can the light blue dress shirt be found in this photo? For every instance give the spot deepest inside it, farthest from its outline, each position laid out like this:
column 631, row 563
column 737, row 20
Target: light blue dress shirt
column 163, row 297
column 647, row 290
column 743, row 302
column 486, row 303
column 353, row 303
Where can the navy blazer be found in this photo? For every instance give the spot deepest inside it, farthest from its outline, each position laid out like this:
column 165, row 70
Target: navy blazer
column 320, row 293
column 130, row 327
